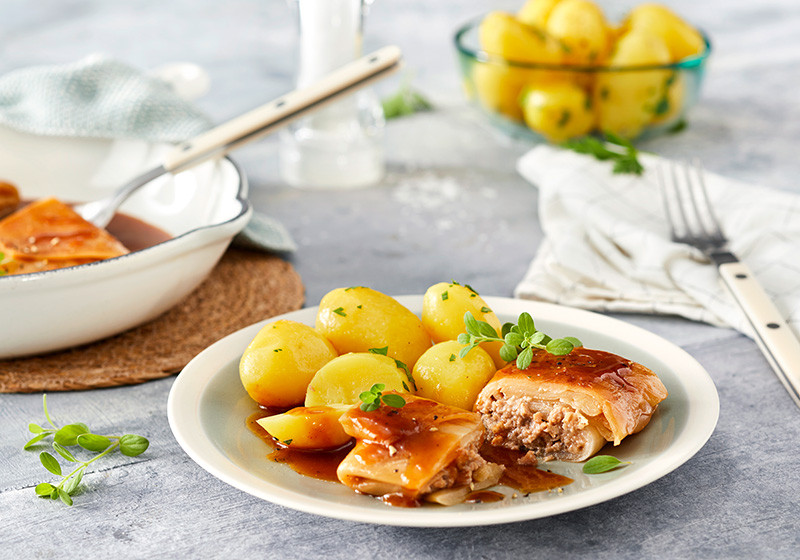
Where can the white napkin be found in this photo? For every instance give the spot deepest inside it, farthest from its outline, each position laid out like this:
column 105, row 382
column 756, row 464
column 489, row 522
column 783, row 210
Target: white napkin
column 607, row 245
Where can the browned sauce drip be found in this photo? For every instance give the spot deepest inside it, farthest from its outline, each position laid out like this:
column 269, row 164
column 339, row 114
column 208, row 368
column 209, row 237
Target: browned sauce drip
column 525, row 478
column 582, row 366
column 134, row 233
column 484, row 497
column 316, row 464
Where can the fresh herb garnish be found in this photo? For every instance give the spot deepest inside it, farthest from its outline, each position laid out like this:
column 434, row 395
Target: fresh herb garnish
column 385, row 352
column 405, row 101
column 69, row 436
column 340, row 311
column 603, row 463
column 518, row 339
column 612, row 147
column 371, row 400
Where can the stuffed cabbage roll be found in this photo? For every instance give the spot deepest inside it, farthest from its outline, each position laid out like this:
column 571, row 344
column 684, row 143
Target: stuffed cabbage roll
column 422, row 451
column 48, row 234
column 568, row 407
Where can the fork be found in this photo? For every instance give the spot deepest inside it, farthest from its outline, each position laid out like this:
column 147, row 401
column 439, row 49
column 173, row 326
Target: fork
column 692, row 222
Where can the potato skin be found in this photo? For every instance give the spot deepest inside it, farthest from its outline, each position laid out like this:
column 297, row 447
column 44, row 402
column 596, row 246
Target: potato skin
column 315, row 427
column 359, row 319
column 558, row 111
column 344, row 378
column 443, row 376
column 504, row 35
column 443, row 309
column 279, row 362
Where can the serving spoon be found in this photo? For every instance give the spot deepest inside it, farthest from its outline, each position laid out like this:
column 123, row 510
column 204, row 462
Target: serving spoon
column 251, row 126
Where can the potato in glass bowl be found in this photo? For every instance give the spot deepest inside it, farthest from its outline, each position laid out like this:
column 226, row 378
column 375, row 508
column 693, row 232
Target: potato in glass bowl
column 558, row 69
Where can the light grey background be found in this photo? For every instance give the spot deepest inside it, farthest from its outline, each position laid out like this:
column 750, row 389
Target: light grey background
column 451, row 206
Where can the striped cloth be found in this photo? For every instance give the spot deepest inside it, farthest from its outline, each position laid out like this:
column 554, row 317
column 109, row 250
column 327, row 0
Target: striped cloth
column 607, row 245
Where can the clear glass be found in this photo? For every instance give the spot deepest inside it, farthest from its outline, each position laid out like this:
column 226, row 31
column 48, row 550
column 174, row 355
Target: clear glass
column 341, row 145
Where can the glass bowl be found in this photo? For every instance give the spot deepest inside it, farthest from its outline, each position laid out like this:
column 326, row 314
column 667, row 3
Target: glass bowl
column 498, row 86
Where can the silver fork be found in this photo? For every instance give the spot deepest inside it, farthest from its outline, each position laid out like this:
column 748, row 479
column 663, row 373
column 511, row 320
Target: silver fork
column 693, row 222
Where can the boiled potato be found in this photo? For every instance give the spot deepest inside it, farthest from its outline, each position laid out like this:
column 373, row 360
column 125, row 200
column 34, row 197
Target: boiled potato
column 582, row 28
column 443, row 376
column 502, row 34
column 670, row 107
column 536, row 12
column 315, row 427
column 443, row 308
column 626, row 101
column 657, row 20
column 499, row 87
column 359, row 319
column 558, row 111
column 344, row 378
column 278, row 364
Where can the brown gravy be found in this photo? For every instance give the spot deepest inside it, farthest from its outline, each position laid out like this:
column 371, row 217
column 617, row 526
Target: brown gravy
column 323, row 464
column 134, row 233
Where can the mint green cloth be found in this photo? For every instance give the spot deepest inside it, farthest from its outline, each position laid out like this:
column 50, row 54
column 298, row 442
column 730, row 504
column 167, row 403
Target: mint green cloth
column 99, row 97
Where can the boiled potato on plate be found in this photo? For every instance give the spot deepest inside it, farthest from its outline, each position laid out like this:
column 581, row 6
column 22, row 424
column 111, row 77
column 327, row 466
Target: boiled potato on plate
column 443, row 376
column 315, row 427
column 344, row 378
column 360, row 319
column 280, row 361
column 443, row 308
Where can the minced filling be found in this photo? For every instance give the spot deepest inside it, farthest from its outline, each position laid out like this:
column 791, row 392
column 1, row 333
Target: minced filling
column 545, row 429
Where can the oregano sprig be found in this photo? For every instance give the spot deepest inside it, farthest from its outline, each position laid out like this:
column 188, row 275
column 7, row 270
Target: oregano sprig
column 371, row 400
column 611, row 147
column 518, row 339
column 70, row 435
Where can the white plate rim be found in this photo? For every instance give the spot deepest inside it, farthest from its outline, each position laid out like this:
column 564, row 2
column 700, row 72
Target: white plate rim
column 183, row 411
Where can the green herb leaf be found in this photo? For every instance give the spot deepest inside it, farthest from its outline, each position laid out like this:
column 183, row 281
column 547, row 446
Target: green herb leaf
column 34, row 440
column 93, row 442
column 44, row 489
column 133, row 445
column 66, row 498
column 50, row 463
column 614, row 147
column 602, row 463
column 444, row 296
column 559, row 347
column 452, row 357
column 68, row 435
column 64, row 452
column 340, row 311
column 508, row 353
column 35, row 428
column 382, row 351
column 405, row 101
column 525, row 357
column 72, row 483
column 394, row 400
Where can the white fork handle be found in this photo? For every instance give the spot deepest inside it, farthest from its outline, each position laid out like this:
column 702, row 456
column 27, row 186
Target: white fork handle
column 773, row 335
column 258, row 122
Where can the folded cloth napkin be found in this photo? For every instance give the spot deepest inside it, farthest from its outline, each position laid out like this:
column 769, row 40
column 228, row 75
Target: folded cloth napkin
column 607, row 242
column 99, row 97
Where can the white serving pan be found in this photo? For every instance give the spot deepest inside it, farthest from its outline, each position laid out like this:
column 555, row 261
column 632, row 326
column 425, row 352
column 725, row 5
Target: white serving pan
column 201, row 208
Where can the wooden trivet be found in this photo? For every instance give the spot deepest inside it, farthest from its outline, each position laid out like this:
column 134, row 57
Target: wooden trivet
column 245, row 287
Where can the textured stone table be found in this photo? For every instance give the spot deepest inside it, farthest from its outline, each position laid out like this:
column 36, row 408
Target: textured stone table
column 442, row 212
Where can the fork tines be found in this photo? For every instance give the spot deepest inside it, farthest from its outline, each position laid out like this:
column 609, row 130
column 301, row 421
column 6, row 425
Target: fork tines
column 688, row 209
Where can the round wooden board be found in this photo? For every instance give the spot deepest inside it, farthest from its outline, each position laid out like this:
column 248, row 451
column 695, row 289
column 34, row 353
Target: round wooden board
column 244, row 288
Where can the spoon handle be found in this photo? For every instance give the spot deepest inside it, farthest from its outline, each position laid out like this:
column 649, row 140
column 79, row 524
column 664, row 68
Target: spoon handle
column 265, row 119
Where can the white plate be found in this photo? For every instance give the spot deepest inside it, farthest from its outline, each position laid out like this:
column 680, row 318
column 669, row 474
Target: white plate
column 208, row 407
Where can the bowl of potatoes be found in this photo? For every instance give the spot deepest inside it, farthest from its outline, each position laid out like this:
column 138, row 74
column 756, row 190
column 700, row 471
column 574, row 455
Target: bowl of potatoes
column 559, row 69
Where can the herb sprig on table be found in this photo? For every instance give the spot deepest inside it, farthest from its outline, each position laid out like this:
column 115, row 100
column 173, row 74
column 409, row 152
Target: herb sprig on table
column 518, row 339
column 71, row 435
column 611, row 147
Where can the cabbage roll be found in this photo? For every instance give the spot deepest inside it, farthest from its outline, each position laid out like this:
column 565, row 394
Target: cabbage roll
column 424, row 450
column 568, row 407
